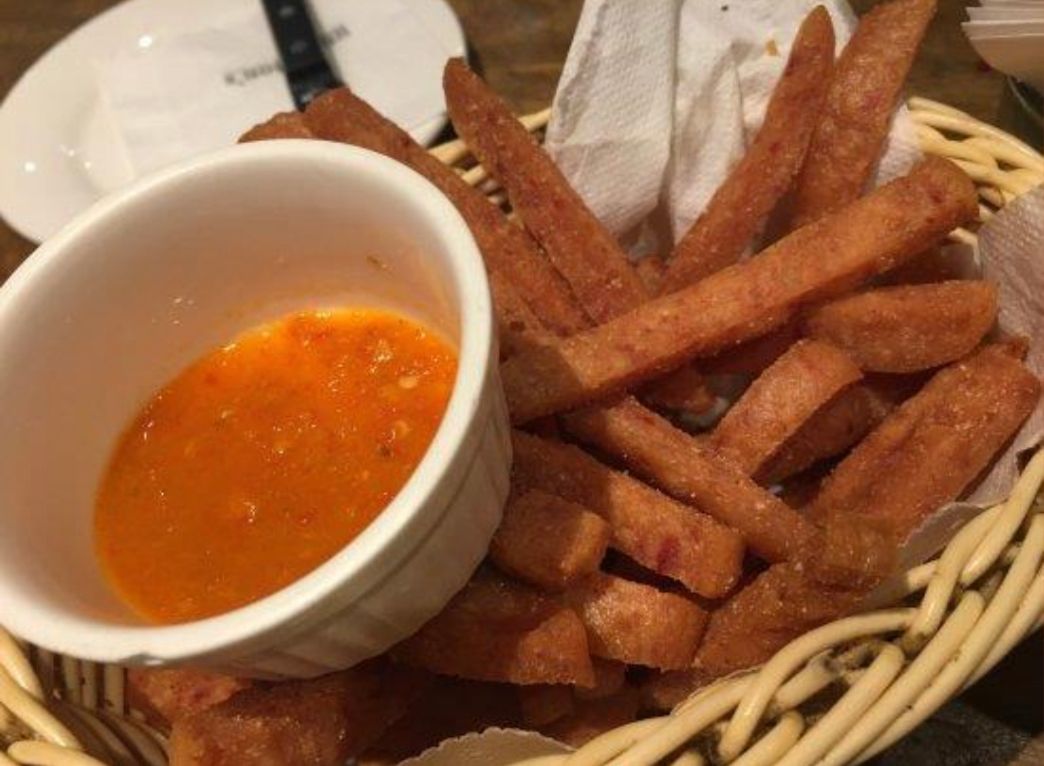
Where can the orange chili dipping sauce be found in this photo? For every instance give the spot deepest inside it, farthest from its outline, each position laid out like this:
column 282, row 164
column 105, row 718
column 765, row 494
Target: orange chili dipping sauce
column 266, row 457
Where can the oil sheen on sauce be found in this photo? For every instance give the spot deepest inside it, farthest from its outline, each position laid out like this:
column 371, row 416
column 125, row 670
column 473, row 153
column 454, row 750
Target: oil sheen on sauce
column 266, row 457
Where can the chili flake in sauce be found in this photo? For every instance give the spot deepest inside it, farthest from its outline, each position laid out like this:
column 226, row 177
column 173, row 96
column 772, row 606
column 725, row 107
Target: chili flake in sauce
column 266, row 457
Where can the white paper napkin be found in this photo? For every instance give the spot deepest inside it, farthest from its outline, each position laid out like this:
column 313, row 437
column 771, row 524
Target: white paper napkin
column 1011, row 247
column 185, row 91
column 658, row 100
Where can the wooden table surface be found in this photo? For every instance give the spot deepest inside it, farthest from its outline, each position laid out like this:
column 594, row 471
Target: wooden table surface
column 520, row 45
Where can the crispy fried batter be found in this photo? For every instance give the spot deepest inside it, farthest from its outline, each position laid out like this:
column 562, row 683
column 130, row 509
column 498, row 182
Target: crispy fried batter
column 743, row 202
column 684, row 468
column 778, row 605
column 519, row 328
column 583, row 251
column 836, row 427
column 867, row 82
column 580, row 247
column 684, row 390
column 934, row 445
column 651, row 270
column 548, row 541
column 936, row 264
column 746, row 300
column 167, row 694
column 754, row 356
column 907, row 328
column 782, row 603
column 319, row 722
column 520, row 273
column 610, row 677
column 594, row 717
column 783, row 399
column 498, row 630
column 544, row 704
column 636, row 623
column 665, row 536
column 339, row 115
column 451, row 707
column 281, row 125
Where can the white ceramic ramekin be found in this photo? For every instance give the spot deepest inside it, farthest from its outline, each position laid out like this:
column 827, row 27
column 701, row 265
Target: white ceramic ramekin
column 142, row 284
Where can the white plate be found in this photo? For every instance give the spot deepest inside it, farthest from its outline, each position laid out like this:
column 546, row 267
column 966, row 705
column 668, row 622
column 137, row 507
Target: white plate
column 1003, row 13
column 60, row 149
column 1003, row 28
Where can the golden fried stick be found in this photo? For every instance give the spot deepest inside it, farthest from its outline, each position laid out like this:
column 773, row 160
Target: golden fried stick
column 635, row 623
column 836, row 427
column 780, row 401
column 519, row 272
column 610, row 677
column 518, row 326
column 320, row 722
column 339, row 115
column 777, row 606
column 662, row 535
column 448, row 708
column 544, row 704
column 907, row 328
column 593, row 717
column 281, row 125
column 684, row 390
column 684, row 468
column 166, row 694
column 587, row 256
column 576, row 242
column 754, row 356
column 498, row 630
column 936, row 264
column 930, row 449
column 743, row 202
column 782, row 603
column 921, row 457
column 651, row 270
column 547, row 541
column 867, row 82
column 746, row 300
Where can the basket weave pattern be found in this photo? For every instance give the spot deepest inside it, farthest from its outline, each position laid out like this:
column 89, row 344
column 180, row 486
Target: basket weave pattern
column 941, row 626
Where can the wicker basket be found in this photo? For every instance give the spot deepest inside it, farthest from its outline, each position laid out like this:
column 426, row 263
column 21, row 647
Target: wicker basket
column 946, row 624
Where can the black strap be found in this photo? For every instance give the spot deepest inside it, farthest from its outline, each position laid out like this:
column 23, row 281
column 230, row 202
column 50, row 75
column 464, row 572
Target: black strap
column 308, row 73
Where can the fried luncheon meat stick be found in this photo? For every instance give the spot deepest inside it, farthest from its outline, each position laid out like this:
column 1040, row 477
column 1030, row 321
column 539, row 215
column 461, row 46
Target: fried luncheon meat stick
column 780, row 400
column 340, row 115
column 581, row 248
column 746, row 300
column 661, row 534
column 743, row 202
column 867, row 82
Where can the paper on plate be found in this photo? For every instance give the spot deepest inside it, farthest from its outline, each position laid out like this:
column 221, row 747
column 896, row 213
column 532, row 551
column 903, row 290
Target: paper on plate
column 185, row 91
